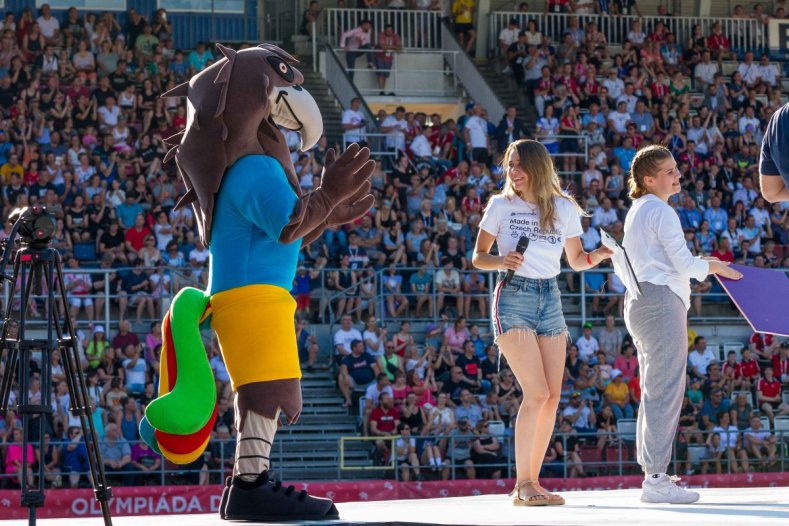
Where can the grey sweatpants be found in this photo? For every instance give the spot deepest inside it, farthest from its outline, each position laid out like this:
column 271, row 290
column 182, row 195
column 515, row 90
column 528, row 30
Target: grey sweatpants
column 657, row 320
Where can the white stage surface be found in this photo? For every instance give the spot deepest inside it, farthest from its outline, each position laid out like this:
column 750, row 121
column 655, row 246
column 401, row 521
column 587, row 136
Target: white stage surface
column 721, row 507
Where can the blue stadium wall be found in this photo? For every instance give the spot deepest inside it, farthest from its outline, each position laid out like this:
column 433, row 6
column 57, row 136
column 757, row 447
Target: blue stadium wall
column 188, row 28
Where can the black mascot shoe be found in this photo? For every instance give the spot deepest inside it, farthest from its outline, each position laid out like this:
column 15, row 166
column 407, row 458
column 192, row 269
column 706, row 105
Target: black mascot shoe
column 223, row 502
column 265, row 500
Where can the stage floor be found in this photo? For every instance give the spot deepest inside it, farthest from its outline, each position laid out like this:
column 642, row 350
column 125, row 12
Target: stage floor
column 722, row 507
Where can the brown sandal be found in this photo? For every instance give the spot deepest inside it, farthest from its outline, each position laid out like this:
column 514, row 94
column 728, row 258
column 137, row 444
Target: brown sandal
column 534, row 500
column 553, row 498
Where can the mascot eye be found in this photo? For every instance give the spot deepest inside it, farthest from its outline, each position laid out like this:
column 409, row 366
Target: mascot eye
column 281, row 67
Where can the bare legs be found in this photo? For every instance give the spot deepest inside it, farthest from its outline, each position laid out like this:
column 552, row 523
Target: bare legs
column 537, row 363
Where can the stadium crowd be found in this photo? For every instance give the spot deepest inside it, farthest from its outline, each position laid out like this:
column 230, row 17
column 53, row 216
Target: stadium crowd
column 594, row 108
column 82, row 131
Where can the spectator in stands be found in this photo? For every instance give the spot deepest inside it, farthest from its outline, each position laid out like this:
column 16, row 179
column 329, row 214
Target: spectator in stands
column 388, row 44
column 617, row 393
column 610, row 337
column 768, row 395
column 580, row 416
column 448, row 285
column 700, row 358
column 198, row 59
column 357, row 370
column 384, row 420
column 372, row 397
column 587, row 344
column 133, row 290
column 468, row 408
column 354, row 40
column 781, row 363
column 715, row 405
column 749, row 370
column 353, row 122
column 627, row 362
column 455, row 384
column 406, row 453
column 116, row 454
column 463, row 16
column 731, row 442
column 390, row 363
column 507, row 37
column 477, row 137
column 763, row 346
column 79, row 286
column 343, row 338
column 760, row 443
column 462, row 439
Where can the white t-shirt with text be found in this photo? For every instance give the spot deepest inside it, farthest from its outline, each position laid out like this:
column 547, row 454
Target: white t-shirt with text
column 510, row 218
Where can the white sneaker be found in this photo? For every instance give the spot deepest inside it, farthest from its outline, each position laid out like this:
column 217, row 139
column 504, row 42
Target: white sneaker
column 665, row 490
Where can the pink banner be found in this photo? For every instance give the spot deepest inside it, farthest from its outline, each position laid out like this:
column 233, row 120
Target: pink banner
column 165, row 500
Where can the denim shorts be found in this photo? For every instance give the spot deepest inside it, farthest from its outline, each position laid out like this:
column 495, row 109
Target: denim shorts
column 531, row 304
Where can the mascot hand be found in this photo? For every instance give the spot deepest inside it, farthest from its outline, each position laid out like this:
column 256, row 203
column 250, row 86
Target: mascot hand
column 352, row 208
column 343, row 176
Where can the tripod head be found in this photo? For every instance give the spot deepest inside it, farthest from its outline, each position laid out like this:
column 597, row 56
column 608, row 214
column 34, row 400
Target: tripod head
column 34, row 226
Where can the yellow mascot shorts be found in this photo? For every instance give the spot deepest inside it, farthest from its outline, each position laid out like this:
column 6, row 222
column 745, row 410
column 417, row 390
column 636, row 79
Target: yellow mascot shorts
column 254, row 326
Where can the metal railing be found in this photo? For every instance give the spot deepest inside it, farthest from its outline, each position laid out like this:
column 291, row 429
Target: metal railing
column 743, row 34
column 617, row 456
column 329, row 297
column 377, row 144
column 345, row 90
column 395, row 71
column 178, row 278
column 577, row 303
column 417, row 29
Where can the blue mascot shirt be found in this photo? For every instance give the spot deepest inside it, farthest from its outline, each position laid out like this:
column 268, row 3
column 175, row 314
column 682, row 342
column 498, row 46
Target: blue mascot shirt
column 253, row 205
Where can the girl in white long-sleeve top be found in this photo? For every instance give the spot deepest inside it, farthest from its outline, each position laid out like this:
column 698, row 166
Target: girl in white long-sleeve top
column 657, row 317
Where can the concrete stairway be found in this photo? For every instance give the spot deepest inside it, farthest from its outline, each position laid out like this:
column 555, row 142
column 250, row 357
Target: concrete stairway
column 507, row 90
column 310, row 449
column 330, row 109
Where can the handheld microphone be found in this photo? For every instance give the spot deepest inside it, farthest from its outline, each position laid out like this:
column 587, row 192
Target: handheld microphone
column 523, row 244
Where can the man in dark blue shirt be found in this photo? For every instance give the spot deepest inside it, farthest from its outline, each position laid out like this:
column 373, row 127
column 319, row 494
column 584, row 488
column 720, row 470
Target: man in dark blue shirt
column 357, row 370
column 774, row 159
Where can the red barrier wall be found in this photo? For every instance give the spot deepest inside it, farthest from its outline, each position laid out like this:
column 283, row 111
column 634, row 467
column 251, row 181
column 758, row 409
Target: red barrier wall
column 162, row 500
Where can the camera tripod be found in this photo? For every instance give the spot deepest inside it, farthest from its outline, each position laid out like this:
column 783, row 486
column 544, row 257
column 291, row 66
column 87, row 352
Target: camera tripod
column 34, row 262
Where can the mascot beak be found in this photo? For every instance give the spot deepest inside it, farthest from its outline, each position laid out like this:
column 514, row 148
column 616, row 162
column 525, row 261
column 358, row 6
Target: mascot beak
column 293, row 108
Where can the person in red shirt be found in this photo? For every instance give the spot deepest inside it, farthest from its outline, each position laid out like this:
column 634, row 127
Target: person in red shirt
column 768, row 394
column 135, row 236
column 724, row 252
column 732, row 371
column 383, row 423
column 763, row 345
column 749, row 370
column 781, row 363
column 718, row 44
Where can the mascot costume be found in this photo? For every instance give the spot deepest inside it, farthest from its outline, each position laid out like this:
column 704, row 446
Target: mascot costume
column 253, row 217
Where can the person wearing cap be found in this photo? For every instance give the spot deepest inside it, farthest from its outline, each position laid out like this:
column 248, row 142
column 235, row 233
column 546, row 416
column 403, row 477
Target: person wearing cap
column 582, row 418
column 94, row 348
column 656, row 314
column 528, row 322
column 617, row 393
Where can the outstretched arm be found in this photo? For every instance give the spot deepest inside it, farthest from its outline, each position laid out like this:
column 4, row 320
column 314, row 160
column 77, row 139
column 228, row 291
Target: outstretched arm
column 342, row 196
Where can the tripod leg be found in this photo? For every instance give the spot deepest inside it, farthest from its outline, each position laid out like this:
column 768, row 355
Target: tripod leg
column 80, row 400
column 5, row 388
